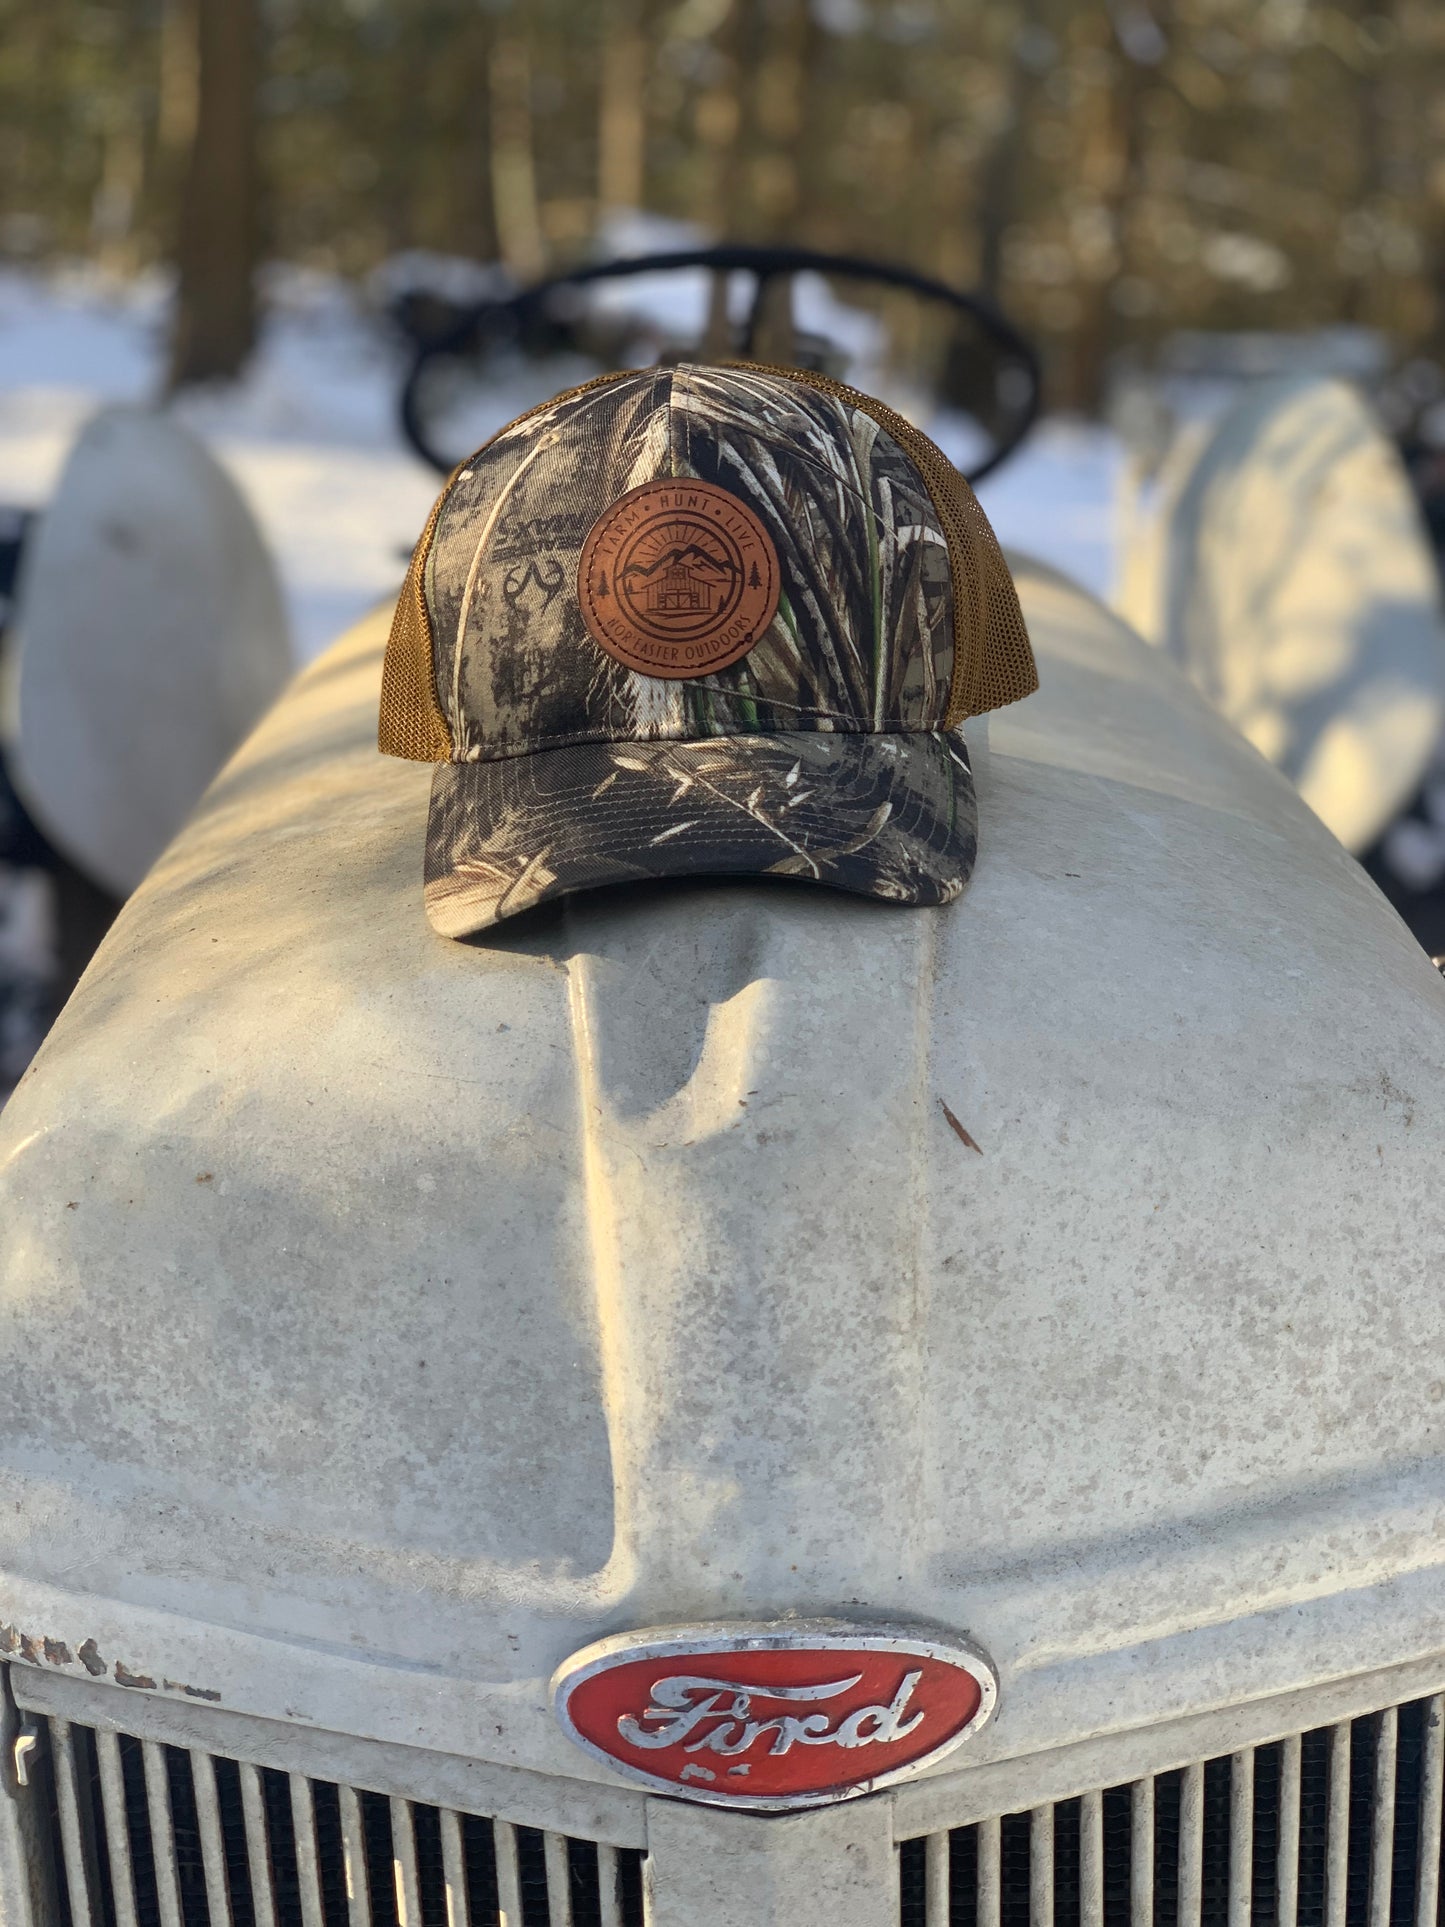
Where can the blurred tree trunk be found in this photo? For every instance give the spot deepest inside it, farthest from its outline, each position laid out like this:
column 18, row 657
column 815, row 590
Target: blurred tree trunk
column 176, row 83
column 780, row 102
column 718, row 119
column 1001, row 175
column 474, row 222
column 215, row 319
column 113, row 208
column 622, row 108
column 1378, row 90
column 514, row 173
column 1110, row 165
column 401, row 189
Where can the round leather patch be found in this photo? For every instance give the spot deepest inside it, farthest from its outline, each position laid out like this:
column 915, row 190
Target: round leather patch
column 678, row 578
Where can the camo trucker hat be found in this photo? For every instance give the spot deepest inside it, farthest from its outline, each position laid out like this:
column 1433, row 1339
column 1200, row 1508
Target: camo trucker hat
column 700, row 621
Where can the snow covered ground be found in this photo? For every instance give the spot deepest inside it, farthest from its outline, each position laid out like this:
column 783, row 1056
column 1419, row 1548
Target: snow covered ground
column 311, row 436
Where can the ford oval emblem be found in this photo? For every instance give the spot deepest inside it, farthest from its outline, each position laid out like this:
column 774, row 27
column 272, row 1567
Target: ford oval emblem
column 782, row 1714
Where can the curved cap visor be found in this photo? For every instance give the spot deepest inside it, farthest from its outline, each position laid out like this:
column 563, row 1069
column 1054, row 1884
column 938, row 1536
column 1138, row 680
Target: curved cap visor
column 888, row 816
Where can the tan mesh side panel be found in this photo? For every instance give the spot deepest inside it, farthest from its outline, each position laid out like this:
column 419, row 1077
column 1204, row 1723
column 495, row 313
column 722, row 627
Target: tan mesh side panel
column 411, row 722
column 993, row 660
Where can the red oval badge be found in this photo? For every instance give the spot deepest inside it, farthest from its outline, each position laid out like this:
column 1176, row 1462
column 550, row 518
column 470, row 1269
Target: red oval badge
column 776, row 1715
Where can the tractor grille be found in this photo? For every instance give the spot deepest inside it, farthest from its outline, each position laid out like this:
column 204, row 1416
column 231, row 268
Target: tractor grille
column 146, row 1835
column 1335, row 1828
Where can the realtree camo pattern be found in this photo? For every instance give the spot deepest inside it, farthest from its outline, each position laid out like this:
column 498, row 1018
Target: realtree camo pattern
column 863, row 637
column 889, row 816
column 821, row 754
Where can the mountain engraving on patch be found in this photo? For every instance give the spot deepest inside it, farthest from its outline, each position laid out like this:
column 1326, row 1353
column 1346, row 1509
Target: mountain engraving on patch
column 678, row 578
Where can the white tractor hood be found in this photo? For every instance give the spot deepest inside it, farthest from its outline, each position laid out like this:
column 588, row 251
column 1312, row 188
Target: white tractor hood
column 382, row 1318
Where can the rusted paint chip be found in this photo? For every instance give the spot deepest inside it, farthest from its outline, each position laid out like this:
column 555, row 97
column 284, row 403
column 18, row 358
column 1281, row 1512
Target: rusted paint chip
column 191, row 1692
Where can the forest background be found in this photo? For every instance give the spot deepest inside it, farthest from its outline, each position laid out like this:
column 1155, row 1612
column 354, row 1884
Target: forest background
column 1109, row 173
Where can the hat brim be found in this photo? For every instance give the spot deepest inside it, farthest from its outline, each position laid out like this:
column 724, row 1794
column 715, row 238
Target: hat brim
column 887, row 816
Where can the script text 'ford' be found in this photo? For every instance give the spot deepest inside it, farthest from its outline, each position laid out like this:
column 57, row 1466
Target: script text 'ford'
column 774, row 1715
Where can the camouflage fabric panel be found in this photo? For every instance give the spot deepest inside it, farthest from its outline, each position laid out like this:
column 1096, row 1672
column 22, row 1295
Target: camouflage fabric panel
column 864, row 632
column 863, row 637
column 892, row 817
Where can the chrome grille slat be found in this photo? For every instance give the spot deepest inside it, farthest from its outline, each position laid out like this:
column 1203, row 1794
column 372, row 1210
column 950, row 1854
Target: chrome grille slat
column 308, row 1867
column 559, row 1880
column 1287, row 1868
column 557, row 1860
column 1337, row 1827
column 1241, row 1839
column 1382, row 1832
column 937, row 1877
column 112, row 1799
column 990, row 1873
column 1041, row 1864
column 75, row 1847
column 144, row 1834
column 1091, row 1860
column 258, row 1846
column 353, row 1846
column 1191, row 1842
column 213, row 1847
column 454, row 1872
column 609, row 1874
column 403, row 1862
column 163, row 1847
column 1432, row 1784
column 509, row 1878
column 1141, row 1857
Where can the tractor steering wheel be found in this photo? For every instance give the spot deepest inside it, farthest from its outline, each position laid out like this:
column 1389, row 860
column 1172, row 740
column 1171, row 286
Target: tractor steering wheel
column 973, row 358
